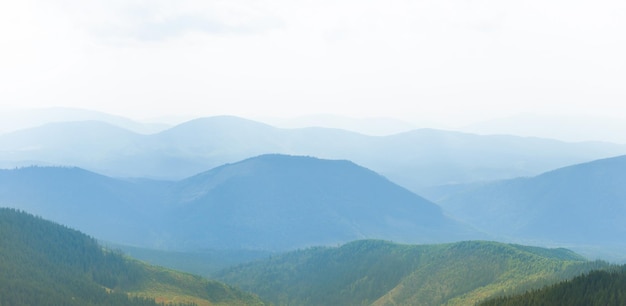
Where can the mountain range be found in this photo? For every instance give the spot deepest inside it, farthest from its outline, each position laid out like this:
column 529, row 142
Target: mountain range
column 309, row 222
column 416, row 159
column 260, row 203
column 270, row 202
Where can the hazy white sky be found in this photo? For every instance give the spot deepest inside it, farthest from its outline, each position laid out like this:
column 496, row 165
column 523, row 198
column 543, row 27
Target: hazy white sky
column 452, row 61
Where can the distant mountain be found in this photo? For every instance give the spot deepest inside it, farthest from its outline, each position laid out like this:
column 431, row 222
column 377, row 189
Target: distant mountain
column 43, row 263
column 584, row 204
column 381, row 273
column 566, row 128
column 68, row 143
column 15, row 120
column 597, row 288
column 201, row 144
column 270, row 202
column 424, row 158
column 417, row 159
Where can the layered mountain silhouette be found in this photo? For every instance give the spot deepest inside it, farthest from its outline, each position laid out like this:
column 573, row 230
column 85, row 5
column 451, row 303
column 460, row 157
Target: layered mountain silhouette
column 270, row 202
column 415, row 159
column 581, row 204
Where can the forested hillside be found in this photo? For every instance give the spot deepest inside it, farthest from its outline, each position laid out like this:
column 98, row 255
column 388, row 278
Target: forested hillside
column 597, row 288
column 43, row 263
column 373, row 272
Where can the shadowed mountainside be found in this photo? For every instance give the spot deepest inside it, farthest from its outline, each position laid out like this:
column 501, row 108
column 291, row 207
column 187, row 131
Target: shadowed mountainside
column 277, row 202
column 580, row 204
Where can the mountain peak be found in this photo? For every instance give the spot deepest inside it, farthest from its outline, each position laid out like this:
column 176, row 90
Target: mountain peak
column 283, row 202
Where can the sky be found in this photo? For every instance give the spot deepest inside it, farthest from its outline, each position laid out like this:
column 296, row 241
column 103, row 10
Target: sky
column 449, row 61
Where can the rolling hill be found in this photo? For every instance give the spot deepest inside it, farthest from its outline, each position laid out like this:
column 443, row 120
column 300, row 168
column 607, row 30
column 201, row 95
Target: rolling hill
column 270, row 202
column 372, row 272
column 43, row 263
column 416, row 159
column 583, row 204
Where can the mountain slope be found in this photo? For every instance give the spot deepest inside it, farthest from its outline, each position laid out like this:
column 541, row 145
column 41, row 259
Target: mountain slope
column 270, row 202
column 382, row 273
column 582, row 204
column 415, row 159
column 93, row 203
column 43, row 263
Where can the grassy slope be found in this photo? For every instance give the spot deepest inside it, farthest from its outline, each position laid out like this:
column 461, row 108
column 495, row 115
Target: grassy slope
column 169, row 286
column 467, row 272
column 383, row 273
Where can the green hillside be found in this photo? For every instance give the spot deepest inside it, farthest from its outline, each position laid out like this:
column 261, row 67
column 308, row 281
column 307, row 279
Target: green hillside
column 372, row 272
column 43, row 263
column 606, row 288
